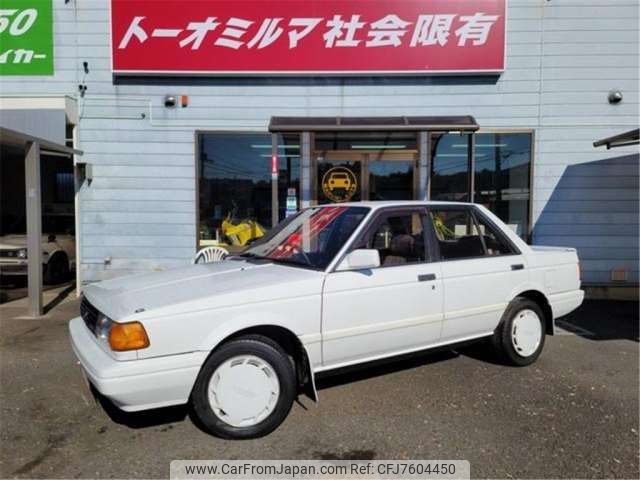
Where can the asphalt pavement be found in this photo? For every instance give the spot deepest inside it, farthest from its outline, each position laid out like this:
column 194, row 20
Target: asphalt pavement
column 573, row 414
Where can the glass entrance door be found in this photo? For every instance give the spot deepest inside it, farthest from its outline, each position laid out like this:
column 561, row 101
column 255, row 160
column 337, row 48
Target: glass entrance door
column 391, row 176
column 353, row 166
column 339, row 177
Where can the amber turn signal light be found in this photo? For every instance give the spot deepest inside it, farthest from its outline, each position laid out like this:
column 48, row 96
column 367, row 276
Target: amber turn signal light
column 128, row 336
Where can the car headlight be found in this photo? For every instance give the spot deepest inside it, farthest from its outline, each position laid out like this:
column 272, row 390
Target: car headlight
column 22, row 253
column 103, row 328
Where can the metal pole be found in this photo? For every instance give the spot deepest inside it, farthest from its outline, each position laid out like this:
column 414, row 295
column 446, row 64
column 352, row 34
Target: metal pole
column 78, row 179
column 472, row 167
column 423, row 163
column 34, row 227
column 275, row 217
column 305, row 177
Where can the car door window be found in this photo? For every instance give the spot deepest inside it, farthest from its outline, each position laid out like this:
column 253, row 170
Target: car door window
column 398, row 237
column 456, row 234
column 461, row 235
column 494, row 241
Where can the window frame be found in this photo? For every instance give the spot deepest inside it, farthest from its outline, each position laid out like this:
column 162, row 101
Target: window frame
column 474, row 214
column 198, row 136
column 374, row 221
column 528, row 234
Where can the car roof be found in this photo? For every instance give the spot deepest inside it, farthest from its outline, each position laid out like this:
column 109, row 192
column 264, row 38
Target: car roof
column 394, row 203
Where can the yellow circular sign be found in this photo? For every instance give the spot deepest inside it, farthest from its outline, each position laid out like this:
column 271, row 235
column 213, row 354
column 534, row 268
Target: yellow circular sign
column 339, row 184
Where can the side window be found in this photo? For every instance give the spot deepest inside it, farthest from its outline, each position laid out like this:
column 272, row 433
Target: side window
column 493, row 241
column 457, row 234
column 460, row 236
column 399, row 237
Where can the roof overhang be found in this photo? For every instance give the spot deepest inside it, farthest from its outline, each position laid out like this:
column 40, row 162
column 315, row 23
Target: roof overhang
column 632, row 137
column 12, row 138
column 464, row 123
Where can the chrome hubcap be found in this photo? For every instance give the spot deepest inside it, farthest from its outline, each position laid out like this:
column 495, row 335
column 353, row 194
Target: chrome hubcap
column 243, row 391
column 526, row 332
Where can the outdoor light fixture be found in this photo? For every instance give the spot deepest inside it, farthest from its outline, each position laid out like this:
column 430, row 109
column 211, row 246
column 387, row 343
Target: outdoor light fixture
column 615, row 96
column 171, row 101
column 271, row 146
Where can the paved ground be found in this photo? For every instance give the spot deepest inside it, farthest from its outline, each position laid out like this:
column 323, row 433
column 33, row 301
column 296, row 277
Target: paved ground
column 14, row 288
column 572, row 414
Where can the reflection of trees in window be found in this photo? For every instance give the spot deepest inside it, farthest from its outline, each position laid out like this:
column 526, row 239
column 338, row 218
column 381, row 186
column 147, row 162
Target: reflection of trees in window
column 390, row 180
column 450, row 167
column 502, row 173
column 235, row 178
column 503, row 169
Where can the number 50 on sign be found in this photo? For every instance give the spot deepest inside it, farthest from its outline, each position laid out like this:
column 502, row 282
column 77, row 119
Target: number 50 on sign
column 26, row 37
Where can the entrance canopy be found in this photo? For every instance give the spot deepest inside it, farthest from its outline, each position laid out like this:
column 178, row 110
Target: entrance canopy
column 32, row 148
column 463, row 123
column 12, row 138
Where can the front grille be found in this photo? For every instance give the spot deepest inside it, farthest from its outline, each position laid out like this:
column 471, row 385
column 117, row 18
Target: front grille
column 9, row 253
column 89, row 314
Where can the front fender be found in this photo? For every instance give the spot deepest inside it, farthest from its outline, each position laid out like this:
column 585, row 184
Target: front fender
column 246, row 321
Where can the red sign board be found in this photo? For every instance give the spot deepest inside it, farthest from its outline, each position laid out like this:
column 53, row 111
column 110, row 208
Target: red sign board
column 307, row 36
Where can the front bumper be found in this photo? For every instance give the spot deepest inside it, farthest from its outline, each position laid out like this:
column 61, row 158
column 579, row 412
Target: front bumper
column 18, row 267
column 135, row 385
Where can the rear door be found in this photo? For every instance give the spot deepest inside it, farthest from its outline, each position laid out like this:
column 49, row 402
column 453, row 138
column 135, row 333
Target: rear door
column 394, row 308
column 480, row 269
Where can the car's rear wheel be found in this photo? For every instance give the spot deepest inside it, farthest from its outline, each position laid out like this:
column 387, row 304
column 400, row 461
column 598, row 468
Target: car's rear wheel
column 519, row 338
column 245, row 388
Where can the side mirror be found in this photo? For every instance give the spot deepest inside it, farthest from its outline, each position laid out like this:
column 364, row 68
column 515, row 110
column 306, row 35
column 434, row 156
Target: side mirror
column 361, row 259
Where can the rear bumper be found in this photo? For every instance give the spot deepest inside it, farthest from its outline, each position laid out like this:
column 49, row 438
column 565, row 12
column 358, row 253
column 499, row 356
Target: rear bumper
column 566, row 302
column 135, row 385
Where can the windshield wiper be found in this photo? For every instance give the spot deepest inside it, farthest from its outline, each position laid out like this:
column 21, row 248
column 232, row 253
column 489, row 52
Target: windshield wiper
column 288, row 261
column 247, row 255
column 252, row 257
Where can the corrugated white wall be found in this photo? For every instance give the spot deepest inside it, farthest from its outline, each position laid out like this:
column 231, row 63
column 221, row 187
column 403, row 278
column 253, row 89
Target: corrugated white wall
column 563, row 58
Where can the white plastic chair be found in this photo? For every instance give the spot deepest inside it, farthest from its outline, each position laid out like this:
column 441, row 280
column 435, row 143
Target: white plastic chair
column 210, row 254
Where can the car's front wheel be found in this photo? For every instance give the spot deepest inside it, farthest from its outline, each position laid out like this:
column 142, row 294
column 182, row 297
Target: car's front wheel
column 245, row 388
column 520, row 336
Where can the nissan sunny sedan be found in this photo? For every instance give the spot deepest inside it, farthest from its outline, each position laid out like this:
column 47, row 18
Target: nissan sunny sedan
column 333, row 286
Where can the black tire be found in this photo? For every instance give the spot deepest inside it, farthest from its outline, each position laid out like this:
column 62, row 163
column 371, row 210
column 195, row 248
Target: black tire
column 57, row 269
column 502, row 341
column 267, row 350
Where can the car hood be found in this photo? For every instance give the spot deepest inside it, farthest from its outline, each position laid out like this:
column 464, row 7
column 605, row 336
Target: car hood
column 213, row 285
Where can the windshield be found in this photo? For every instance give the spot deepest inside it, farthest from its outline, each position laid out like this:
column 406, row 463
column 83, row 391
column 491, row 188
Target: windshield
column 311, row 238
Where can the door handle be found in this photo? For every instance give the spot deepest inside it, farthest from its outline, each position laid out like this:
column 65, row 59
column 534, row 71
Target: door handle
column 517, row 266
column 427, row 277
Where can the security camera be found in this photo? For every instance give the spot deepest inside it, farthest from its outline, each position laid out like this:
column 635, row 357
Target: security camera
column 615, row 96
column 170, row 101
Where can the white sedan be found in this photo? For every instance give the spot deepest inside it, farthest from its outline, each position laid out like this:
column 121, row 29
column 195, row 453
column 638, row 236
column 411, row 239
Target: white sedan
column 330, row 287
column 58, row 257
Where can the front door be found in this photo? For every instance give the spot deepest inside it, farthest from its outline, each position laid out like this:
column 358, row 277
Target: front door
column 480, row 269
column 369, row 314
